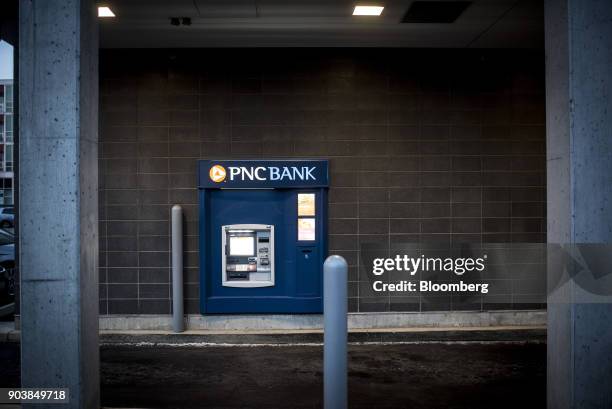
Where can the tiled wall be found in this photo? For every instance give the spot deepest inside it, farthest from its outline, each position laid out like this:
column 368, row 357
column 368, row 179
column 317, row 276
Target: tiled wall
column 424, row 146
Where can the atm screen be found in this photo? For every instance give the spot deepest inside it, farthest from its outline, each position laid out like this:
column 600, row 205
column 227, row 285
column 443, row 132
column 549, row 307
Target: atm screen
column 242, row 245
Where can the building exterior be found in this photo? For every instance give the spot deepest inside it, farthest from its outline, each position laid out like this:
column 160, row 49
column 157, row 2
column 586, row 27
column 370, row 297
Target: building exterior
column 7, row 174
column 430, row 146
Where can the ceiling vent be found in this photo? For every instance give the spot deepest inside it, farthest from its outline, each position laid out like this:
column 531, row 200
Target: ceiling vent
column 435, row 11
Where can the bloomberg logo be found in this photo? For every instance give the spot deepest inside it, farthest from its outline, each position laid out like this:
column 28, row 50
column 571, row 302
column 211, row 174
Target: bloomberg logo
column 274, row 173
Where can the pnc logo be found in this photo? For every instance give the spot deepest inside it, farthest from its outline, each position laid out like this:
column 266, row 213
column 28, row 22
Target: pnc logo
column 217, row 173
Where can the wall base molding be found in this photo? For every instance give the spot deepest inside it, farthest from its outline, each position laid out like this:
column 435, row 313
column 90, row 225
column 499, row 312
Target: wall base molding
column 373, row 320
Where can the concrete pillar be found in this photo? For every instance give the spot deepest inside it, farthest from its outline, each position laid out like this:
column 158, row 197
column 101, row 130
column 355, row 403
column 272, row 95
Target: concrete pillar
column 58, row 90
column 579, row 155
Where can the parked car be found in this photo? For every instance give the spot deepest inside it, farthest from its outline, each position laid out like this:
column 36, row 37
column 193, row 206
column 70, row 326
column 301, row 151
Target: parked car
column 7, row 273
column 7, row 217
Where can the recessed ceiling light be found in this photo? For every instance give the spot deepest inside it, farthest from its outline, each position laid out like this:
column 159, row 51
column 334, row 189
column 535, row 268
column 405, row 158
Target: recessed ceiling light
column 368, row 10
column 105, row 12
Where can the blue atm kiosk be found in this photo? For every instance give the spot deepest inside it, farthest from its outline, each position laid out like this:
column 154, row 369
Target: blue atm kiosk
column 263, row 235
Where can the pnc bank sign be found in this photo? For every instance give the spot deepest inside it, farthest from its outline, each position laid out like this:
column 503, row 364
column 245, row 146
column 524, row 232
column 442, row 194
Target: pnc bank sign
column 219, row 174
column 265, row 174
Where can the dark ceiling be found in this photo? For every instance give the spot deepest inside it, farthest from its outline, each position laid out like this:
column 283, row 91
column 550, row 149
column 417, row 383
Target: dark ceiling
column 317, row 23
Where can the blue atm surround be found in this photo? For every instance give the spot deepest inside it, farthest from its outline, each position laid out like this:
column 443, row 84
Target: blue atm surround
column 228, row 196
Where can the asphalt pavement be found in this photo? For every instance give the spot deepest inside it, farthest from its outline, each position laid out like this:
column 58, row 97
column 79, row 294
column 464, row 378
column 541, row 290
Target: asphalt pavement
column 402, row 375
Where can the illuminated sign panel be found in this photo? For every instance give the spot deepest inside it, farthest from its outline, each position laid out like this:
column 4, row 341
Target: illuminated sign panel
column 250, row 174
column 306, row 204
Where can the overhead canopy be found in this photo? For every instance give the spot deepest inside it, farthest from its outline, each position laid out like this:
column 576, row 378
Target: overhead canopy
column 278, row 23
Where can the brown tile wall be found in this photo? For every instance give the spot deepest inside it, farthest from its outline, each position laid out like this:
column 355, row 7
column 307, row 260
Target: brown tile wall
column 424, row 145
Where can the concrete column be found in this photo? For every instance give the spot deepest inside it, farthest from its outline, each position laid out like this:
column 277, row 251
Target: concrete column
column 58, row 90
column 579, row 155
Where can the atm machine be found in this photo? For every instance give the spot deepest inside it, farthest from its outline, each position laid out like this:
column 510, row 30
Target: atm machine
column 248, row 255
column 263, row 235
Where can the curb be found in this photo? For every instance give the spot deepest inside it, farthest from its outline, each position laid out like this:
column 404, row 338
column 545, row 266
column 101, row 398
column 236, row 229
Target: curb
column 357, row 321
column 8, row 333
column 147, row 338
column 316, row 338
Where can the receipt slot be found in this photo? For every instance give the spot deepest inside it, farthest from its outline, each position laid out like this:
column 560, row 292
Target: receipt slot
column 263, row 235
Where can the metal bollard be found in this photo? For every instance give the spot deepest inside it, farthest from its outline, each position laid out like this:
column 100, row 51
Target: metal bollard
column 335, row 307
column 178, row 324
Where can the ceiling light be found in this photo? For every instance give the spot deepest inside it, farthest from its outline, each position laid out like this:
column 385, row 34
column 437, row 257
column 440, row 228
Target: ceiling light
column 368, row 10
column 105, row 12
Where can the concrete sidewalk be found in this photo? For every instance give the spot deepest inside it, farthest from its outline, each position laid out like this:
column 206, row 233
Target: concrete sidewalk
column 314, row 322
